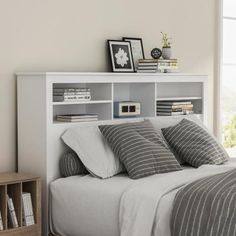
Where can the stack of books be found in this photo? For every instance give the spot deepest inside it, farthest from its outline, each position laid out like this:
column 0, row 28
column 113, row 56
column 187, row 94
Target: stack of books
column 28, row 214
column 160, row 66
column 71, row 94
column 77, row 118
column 174, row 108
column 13, row 222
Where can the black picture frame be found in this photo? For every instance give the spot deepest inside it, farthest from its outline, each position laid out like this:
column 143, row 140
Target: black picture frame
column 137, row 49
column 121, row 56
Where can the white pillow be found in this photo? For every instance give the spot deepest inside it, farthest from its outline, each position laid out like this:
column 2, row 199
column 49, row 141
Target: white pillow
column 93, row 150
column 164, row 122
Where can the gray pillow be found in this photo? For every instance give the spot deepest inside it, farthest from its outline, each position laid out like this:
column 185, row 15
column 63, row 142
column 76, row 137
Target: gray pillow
column 140, row 148
column 194, row 144
column 70, row 165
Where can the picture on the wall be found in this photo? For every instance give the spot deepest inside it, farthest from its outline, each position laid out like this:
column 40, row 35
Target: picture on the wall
column 137, row 49
column 121, row 56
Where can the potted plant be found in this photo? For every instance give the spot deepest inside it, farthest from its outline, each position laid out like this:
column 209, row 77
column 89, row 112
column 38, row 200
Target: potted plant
column 166, row 46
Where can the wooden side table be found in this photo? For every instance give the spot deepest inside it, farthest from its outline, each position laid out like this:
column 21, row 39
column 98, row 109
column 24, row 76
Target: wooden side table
column 12, row 185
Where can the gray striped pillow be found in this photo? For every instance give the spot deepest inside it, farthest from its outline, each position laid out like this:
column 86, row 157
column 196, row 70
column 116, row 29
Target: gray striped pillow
column 194, row 144
column 140, row 148
column 70, row 165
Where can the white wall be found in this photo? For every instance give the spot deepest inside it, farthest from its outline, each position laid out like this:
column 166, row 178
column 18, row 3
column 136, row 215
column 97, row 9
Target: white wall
column 70, row 35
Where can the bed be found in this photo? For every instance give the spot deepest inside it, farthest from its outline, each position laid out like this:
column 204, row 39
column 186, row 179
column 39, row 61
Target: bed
column 116, row 204
column 84, row 205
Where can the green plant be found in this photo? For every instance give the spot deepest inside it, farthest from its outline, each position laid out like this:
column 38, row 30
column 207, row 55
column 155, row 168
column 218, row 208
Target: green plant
column 230, row 133
column 165, row 40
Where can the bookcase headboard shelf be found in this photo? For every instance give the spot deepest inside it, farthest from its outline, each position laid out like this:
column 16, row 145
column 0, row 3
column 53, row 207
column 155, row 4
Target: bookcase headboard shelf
column 40, row 146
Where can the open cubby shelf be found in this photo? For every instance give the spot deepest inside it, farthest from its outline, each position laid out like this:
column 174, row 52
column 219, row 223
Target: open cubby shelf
column 13, row 185
column 147, row 93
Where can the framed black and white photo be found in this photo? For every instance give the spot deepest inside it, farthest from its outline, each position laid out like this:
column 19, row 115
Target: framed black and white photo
column 137, row 49
column 121, row 56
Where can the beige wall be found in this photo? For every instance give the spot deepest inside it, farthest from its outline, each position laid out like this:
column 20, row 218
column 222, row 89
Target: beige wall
column 70, row 35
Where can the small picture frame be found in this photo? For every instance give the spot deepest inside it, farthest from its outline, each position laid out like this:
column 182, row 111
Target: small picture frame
column 121, row 56
column 137, row 49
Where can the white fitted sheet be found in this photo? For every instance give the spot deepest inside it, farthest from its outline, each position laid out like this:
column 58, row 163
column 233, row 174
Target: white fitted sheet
column 87, row 206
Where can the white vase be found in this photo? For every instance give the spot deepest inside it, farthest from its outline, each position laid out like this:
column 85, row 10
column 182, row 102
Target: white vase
column 166, row 53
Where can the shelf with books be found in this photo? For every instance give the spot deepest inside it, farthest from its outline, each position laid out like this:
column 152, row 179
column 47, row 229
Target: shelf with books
column 178, row 107
column 12, row 186
column 102, row 111
column 90, row 91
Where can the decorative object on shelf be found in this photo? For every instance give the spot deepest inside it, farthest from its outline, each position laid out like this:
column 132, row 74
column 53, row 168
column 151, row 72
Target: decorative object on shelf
column 127, row 109
column 137, row 49
column 77, row 117
column 174, row 108
column 71, row 94
column 160, row 65
column 121, row 56
column 156, row 53
column 166, row 46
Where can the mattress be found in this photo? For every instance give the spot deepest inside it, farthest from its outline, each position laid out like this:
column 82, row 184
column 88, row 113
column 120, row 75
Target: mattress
column 87, row 206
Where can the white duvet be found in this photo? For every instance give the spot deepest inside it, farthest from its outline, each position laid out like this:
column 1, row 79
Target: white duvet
column 86, row 206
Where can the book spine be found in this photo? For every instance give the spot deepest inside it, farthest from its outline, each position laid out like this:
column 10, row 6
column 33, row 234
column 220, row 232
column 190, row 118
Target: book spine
column 31, row 213
column 28, row 209
column 1, row 222
column 170, row 113
column 70, row 93
column 12, row 213
column 170, row 110
column 165, row 103
column 71, row 98
column 66, row 90
column 146, row 71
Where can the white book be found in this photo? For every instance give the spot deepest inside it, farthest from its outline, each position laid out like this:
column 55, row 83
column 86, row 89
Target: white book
column 12, row 213
column 28, row 215
column 1, row 222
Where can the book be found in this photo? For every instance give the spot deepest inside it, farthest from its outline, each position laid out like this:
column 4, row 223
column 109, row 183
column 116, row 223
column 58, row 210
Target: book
column 173, row 103
column 77, row 120
column 1, row 222
column 28, row 214
column 70, row 93
column 157, row 60
column 146, row 71
column 147, row 68
column 71, row 98
column 62, row 90
column 147, row 64
column 169, row 110
column 170, row 113
column 77, row 117
column 187, row 106
column 11, row 213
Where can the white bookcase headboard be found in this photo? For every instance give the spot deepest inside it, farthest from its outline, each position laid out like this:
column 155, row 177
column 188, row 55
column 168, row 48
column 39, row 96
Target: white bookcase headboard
column 39, row 144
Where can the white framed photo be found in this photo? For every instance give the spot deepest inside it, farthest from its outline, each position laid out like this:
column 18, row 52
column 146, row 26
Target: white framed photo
column 121, row 56
column 137, row 49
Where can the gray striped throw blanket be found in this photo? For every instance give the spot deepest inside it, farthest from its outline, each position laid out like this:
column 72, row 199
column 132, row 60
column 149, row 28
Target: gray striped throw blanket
column 206, row 207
